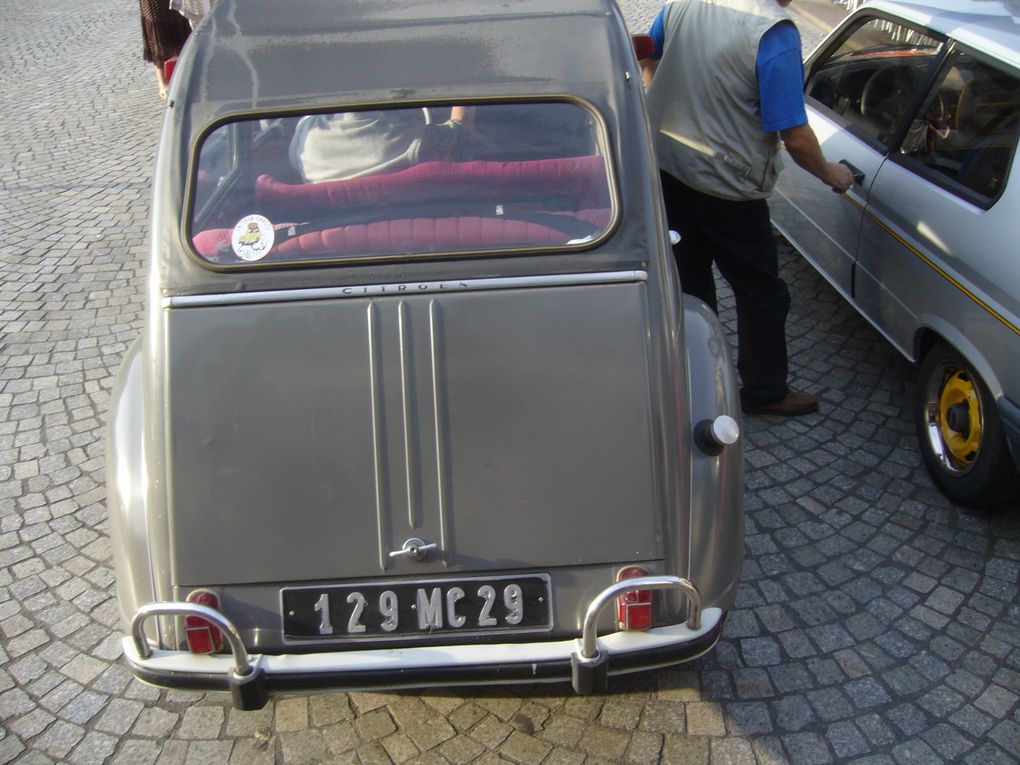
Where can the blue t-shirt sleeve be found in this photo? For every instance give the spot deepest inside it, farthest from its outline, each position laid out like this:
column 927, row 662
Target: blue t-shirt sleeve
column 658, row 33
column 781, row 79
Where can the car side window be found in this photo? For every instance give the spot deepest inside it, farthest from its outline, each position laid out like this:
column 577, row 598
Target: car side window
column 871, row 76
column 965, row 134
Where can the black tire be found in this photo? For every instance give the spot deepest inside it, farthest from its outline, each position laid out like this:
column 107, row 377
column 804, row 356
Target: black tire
column 961, row 435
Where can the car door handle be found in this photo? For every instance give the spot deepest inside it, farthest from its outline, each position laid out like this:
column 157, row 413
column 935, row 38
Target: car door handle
column 858, row 175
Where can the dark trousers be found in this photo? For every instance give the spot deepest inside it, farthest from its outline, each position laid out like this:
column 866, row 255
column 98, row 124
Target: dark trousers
column 738, row 237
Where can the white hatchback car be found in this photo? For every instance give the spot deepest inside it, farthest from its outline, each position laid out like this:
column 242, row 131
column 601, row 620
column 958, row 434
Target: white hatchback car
column 922, row 101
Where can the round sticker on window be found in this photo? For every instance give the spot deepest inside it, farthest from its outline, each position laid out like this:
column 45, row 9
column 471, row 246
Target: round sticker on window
column 253, row 237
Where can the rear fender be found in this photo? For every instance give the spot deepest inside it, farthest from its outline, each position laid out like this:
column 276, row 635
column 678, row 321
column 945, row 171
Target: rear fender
column 716, row 486
column 934, row 329
column 126, row 481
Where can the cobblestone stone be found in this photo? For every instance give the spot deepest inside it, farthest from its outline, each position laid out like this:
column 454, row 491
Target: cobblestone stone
column 689, row 749
column 705, row 719
column 155, row 723
column 997, row 701
column 340, row 737
column 375, row 725
column 292, row 714
column 306, row 747
column 202, row 722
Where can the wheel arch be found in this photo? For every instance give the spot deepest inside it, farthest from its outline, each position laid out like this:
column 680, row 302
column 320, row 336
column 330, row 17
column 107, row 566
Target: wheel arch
column 977, row 468
column 716, row 487
column 933, row 331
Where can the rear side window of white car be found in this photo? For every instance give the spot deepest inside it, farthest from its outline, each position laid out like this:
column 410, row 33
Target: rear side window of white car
column 964, row 136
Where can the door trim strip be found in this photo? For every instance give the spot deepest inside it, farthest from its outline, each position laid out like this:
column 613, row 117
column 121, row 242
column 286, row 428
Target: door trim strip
column 404, row 289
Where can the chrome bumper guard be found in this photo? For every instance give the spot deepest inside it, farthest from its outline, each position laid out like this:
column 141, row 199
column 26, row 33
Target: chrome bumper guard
column 248, row 677
column 589, row 668
column 247, row 683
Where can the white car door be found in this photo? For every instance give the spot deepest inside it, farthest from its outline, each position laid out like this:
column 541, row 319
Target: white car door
column 822, row 225
column 936, row 240
column 860, row 88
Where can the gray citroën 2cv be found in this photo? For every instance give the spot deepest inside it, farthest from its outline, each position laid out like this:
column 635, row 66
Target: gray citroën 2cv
column 418, row 401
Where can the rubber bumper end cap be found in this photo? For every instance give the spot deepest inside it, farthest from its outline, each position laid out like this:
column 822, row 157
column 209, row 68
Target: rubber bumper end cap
column 249, row 692
column 589, row 676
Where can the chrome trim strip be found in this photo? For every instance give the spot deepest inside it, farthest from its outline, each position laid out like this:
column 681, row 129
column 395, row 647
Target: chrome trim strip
column 436, row 349
column 407, row 408
column 983, row 305
column 405, row 288
column 378, row 428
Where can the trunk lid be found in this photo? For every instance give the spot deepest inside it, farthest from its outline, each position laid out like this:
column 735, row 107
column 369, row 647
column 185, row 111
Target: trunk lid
column 309, row 439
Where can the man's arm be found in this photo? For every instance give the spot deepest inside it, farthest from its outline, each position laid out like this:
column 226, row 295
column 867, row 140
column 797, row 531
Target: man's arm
column 803, row 146
column 781, row 92
column 648, row 67
column 658, row 35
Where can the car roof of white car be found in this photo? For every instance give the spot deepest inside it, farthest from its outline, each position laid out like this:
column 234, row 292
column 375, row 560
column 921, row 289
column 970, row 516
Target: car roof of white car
column 991, row 26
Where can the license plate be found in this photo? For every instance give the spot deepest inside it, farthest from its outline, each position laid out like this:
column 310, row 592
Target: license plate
column 418, row 608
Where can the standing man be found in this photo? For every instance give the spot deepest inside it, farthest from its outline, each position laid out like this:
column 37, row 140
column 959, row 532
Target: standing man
column 725, row 88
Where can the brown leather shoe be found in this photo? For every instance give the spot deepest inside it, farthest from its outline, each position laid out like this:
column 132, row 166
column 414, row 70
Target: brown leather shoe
column 794, row 404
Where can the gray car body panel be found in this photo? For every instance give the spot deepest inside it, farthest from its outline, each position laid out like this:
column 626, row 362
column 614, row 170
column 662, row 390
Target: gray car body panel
column 411, row 417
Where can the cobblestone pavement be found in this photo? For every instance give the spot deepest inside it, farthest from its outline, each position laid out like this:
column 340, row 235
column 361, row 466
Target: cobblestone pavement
column 876, row 624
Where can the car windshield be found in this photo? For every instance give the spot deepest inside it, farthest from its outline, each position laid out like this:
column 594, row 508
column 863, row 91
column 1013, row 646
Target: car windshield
column 401, row 182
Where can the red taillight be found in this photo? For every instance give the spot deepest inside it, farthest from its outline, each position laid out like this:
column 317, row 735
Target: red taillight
column 202, row 635
column 644, row 46
column 634, row 608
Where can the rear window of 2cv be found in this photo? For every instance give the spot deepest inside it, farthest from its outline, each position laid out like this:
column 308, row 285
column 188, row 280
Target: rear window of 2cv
column 418, row 181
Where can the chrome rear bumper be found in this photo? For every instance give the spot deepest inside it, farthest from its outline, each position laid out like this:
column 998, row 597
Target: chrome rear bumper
column 586, row 662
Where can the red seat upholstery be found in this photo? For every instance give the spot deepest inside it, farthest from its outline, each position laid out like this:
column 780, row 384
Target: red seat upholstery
column 583, row 179
column 414, row 235
column 572, row 191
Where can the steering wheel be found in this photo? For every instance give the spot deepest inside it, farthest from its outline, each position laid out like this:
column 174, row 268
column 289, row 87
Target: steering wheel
column 886, row 95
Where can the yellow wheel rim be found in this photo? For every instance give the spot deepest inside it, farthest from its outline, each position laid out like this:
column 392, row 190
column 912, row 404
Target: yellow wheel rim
column 959, row 409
